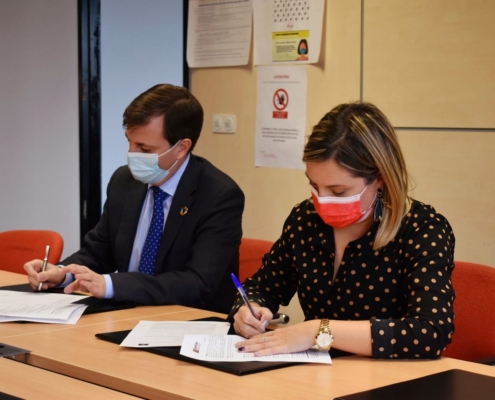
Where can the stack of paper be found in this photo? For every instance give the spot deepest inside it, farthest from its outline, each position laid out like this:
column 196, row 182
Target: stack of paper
column 207, row 341
column 222, row 348
column 40, row 307
column 170, row 333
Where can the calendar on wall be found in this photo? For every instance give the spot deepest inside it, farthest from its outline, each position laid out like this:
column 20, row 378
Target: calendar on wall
column 287, row 31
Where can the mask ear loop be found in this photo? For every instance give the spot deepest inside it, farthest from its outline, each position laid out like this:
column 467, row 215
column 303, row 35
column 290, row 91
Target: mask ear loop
column 377, row 214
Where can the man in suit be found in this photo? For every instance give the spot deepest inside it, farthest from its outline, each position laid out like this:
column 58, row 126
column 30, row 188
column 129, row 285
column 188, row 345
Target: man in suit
column 171, row 225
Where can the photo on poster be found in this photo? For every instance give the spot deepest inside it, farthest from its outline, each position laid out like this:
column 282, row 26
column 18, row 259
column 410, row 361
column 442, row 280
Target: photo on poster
column 287, row 31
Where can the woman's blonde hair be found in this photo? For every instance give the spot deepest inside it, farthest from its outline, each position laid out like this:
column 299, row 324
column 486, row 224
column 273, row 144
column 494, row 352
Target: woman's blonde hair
column 360, row 138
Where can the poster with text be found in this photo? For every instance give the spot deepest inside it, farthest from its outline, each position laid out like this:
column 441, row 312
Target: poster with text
column 218, row 33
column 281, row 116
column 287, row 31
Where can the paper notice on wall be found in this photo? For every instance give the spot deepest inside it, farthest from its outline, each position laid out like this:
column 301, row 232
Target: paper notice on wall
column 218, row 33
column 287, row 31
column 281, row 116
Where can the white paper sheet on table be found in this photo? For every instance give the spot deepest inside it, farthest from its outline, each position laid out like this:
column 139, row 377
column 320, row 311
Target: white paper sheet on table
column 78, row 310
column 222, row 348
column 40, row 307
column 170, row 333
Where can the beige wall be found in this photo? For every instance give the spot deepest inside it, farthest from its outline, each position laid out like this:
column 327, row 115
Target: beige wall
column 427, row 64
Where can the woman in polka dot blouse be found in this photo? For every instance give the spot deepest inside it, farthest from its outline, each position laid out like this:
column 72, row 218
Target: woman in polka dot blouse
column 371, row 266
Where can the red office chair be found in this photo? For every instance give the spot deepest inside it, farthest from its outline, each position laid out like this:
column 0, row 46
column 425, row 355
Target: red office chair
column 251, row 255
column 474, row 307
column 19, row 247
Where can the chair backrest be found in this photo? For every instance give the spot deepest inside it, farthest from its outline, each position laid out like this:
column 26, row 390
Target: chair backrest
column 19, row 247
column 474, row 307
column 251, row 255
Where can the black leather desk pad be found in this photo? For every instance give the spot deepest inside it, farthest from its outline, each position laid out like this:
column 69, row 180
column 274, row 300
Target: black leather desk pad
column 94, row 304
column 453, row 384
column 6, row 396
column 236, row 368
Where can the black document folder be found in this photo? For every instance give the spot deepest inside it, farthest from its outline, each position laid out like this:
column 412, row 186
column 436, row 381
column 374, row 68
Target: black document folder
column 236, row 368
column 454, row 384
column 6, row 396
column 94, row 304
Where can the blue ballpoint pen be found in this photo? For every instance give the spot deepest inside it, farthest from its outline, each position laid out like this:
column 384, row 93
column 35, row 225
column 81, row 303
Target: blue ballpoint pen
column 243, row 294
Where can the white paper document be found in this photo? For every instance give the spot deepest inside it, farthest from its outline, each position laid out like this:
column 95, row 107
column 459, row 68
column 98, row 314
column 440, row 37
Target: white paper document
column 218, row 33
column 170, row 333
column 50, row 308
column 222, row 348
column 78, row 310
column 281, row 116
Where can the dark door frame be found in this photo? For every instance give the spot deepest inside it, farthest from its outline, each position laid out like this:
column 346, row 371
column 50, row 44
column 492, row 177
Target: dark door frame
column 89, row 114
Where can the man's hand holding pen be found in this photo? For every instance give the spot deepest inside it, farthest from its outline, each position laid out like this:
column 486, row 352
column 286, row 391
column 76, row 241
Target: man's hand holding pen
column 49, row 278
column 84, row 279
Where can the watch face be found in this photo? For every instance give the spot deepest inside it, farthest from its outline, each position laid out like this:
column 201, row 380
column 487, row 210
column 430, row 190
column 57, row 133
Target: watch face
column 324, row 340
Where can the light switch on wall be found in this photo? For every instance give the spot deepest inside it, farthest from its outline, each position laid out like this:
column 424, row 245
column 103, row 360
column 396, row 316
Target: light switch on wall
column 224, row 123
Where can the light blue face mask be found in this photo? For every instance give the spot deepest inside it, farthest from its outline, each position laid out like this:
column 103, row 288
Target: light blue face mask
column 303, row 50
column 144, row 167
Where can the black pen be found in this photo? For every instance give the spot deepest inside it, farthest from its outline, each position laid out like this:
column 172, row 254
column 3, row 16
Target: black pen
column 280, row 319
column 43, row 268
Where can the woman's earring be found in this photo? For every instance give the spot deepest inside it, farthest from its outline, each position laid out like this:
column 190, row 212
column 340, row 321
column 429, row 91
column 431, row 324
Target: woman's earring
column 377, row 215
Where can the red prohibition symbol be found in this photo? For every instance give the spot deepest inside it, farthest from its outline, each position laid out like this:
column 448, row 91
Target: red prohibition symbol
column 280, row 99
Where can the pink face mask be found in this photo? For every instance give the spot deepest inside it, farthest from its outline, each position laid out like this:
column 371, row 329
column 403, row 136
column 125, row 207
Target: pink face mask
column 340, row 212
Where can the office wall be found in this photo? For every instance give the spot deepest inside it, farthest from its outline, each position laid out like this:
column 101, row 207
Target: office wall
column 39, row 156
column 141, row 45
column 429, row 65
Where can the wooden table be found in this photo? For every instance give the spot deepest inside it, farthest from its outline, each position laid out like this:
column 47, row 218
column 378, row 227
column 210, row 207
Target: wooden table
column 11, row 278
column 29, row 382
column 76, row 352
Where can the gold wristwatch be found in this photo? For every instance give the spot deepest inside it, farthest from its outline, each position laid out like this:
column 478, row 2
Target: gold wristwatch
column 324, row 338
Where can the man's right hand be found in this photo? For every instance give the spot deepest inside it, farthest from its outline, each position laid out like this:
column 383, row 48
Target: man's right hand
column 51, row 277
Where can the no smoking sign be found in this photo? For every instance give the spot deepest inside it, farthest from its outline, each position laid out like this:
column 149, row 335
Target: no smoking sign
column 280, row 102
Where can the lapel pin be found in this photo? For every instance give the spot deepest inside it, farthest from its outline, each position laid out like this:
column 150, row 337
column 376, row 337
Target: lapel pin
column 183, row 211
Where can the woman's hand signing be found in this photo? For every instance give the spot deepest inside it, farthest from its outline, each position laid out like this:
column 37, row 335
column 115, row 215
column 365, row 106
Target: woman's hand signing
column 246, row 325
column 291, row 339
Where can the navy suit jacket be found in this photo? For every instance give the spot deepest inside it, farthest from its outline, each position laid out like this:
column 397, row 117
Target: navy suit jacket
column 198, row 250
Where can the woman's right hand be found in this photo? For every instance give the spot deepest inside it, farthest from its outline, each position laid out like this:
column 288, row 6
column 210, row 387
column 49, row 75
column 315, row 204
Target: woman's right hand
column 246, row 325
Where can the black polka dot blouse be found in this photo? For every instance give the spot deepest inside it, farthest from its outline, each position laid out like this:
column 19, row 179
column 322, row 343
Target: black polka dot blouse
column 403, row 289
